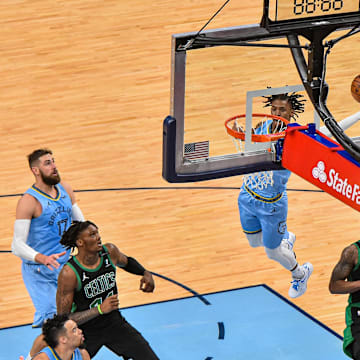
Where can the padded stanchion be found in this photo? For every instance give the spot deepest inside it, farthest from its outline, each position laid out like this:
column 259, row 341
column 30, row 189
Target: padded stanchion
column 323, row 162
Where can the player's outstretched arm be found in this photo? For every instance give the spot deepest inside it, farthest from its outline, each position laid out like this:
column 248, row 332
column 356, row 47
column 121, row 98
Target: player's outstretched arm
column 26, row 209
column 344, row 124
column 338, row 283
column 132, row 266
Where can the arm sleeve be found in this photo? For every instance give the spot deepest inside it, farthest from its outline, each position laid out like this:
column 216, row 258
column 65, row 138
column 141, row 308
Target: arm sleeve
column 134, row 267
column 19, row 246
column 344, row 124
column 77, row 215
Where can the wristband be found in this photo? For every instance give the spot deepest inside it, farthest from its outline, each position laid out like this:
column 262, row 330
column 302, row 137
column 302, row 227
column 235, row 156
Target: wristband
column 99, row 310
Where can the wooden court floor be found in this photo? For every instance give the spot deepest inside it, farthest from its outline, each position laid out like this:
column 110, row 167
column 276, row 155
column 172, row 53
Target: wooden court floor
column 91, row 81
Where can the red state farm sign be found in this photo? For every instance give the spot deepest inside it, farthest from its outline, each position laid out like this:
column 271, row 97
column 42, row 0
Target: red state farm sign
column 322, row 162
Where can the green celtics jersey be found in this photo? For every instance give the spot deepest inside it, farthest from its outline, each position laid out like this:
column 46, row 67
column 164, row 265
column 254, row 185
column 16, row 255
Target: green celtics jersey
column 94, row 285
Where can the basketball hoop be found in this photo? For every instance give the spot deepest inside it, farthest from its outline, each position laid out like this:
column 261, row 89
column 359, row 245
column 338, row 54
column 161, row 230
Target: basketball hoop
column 265, row 127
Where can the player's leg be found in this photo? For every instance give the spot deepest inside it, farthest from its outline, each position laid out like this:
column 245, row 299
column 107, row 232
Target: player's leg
column 248, row 209
column 124, row 340
column 41, row 284
column 94, row 340
column 351, row 344
column 356, row 349
column 272, row 216
column 273, row 221
column 249, row 222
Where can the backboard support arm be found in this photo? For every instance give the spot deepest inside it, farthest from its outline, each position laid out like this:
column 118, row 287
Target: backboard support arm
column 311, row 74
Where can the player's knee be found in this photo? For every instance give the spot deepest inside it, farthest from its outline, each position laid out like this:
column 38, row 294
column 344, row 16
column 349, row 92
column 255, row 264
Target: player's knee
column 255, row 240
column 273, row 254
column 283, row 256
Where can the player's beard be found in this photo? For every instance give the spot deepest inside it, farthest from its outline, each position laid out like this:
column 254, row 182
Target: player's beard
column 50, row 180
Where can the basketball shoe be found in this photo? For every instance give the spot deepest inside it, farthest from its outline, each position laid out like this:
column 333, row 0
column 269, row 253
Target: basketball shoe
column 298, row 286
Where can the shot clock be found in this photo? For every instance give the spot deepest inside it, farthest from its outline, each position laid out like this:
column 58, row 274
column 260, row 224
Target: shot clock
column 296, row 9
column 292, row 14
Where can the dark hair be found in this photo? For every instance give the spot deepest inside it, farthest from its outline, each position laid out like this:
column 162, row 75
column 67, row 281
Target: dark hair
column 72, row 233
column 293, row 99
column 53, row 328
column 36, row 154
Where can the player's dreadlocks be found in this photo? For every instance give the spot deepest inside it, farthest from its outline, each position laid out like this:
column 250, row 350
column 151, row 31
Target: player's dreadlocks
column 296, row 104
column 72, row 233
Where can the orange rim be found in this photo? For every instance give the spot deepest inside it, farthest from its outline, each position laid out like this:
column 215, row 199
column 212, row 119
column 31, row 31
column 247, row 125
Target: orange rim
column 256, row 137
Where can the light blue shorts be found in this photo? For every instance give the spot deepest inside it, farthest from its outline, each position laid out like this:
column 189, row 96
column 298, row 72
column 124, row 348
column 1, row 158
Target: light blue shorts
column 269, row 217
column 41, row 284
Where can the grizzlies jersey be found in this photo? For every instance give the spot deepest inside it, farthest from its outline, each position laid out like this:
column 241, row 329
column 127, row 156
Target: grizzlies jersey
column 94, row 285
column 271, row 190
column 52, row 355
column 280, row 178
column 354, row 276
column 46, row 230
column 264, row 128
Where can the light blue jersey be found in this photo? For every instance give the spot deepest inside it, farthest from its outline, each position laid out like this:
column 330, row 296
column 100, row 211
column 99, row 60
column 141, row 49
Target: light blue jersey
column 263, row 201
column 273, row 188
column 44, row 236
column 46, row 230
column 52, row 355
column 264, row 128
column 279, row 177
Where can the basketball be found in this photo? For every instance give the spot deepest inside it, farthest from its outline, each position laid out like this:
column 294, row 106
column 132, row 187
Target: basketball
column 355, row 88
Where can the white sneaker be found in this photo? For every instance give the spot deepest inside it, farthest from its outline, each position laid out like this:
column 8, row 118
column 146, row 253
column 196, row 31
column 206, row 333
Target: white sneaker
column 289, row 243
column 298, row 286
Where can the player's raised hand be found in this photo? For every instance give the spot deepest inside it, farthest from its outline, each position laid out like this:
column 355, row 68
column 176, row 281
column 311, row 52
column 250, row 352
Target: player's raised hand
column 49, row 260
column 147, row 283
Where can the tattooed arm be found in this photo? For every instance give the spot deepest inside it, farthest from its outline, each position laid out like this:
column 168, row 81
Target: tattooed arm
column 67, row 283
column 338, row 283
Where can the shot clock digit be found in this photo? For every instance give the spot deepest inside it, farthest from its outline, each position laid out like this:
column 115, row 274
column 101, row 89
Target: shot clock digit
column 311, row 6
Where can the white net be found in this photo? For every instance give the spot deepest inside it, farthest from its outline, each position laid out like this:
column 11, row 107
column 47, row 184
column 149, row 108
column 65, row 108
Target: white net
column 260, row 126
column 259, row 180
column 239, row 144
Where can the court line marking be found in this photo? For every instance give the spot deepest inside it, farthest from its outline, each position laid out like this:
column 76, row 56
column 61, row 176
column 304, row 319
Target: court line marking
column 167, row 188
